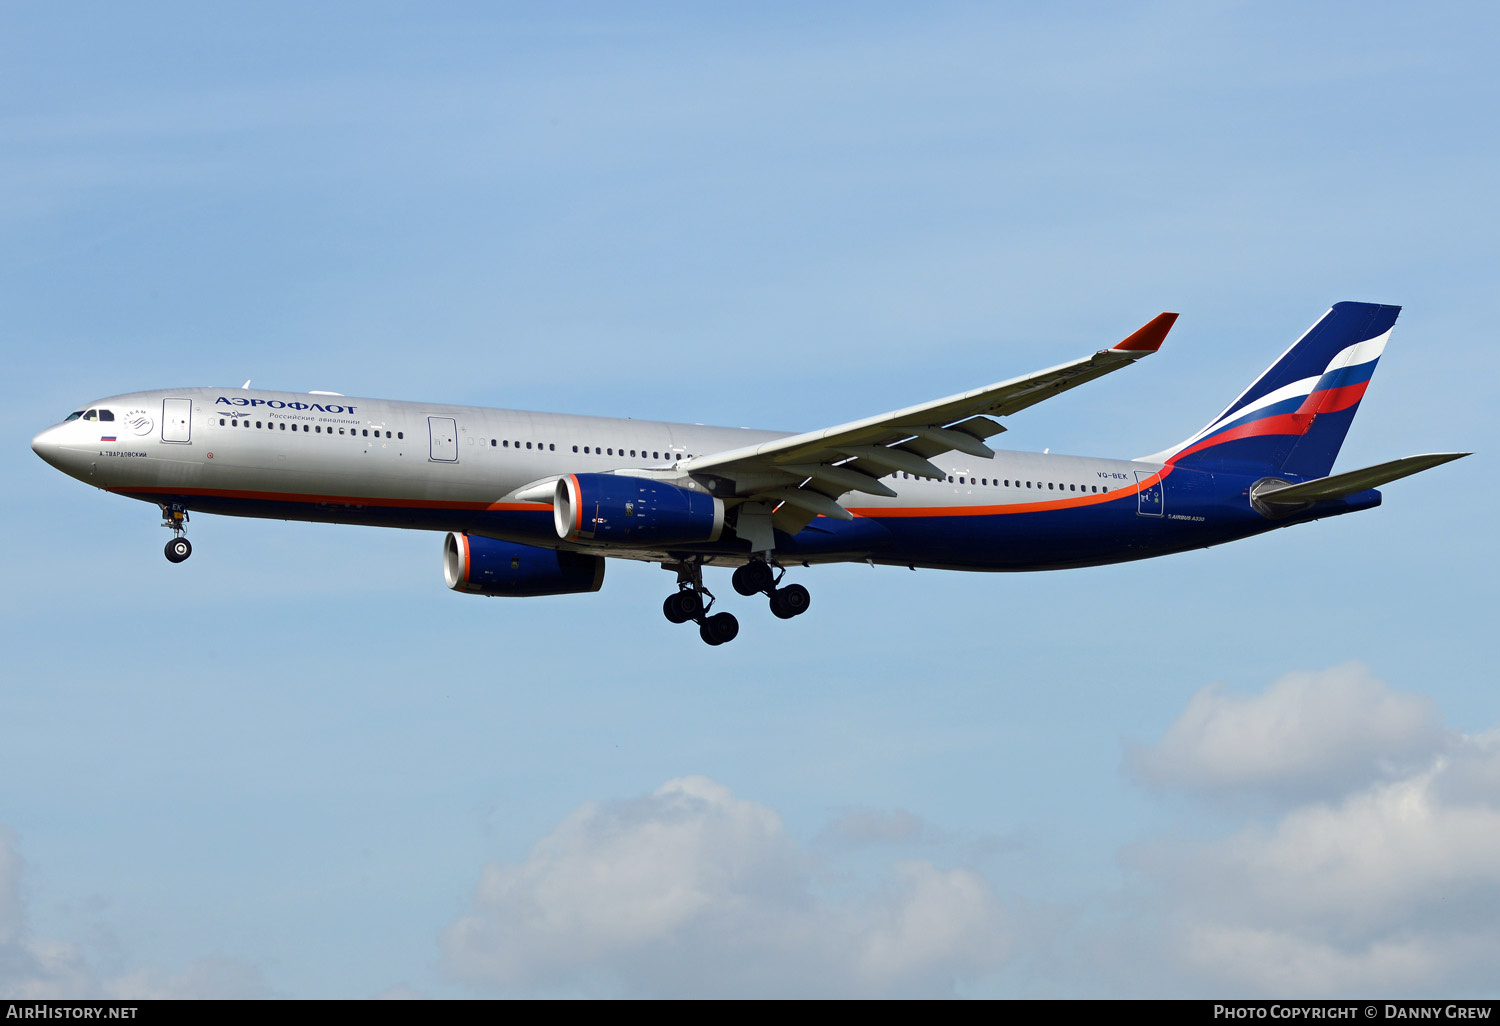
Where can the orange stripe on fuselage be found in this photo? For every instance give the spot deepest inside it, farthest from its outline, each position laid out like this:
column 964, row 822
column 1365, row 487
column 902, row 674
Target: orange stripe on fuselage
column 333, row 500
column 873, row 512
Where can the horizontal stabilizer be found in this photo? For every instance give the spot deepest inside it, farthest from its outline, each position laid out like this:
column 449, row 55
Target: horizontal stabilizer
column 1279, row 494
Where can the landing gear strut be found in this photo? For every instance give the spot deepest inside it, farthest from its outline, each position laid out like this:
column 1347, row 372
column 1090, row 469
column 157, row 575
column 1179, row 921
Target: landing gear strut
column 179, row 548
column 759, row 576
column 686, row 603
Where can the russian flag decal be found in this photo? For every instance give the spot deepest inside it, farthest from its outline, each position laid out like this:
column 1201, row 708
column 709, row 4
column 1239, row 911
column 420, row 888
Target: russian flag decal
column 107, row 438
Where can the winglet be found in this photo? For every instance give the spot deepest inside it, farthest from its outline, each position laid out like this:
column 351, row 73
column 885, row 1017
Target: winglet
column 1150, row 337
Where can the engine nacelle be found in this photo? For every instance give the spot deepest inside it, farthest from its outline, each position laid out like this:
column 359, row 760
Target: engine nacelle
column 486, row 566
column 617, row 508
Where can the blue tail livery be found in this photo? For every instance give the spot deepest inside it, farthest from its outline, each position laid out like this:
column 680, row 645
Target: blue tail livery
column 1293, row 419
column 536, row 504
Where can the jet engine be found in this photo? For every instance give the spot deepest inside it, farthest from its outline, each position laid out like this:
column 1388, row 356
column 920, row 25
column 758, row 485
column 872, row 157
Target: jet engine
column 487, row 566
column 617, row 508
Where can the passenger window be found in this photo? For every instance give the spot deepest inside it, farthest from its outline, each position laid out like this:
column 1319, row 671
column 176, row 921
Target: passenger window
column 257, row 425
column 221, row 420
column 551, row 447
column 283, row 427
column 655, row 455
column 611, row 450
column 528, row 445
column 399, row 434
column 632, row 453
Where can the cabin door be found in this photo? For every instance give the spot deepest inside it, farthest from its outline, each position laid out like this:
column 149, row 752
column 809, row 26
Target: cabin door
column 1150, row 500
column 176, row 420
column 444, row 432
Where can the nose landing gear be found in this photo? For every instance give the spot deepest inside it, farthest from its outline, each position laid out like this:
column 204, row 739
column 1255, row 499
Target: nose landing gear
column 686, row 603
column 179, row 548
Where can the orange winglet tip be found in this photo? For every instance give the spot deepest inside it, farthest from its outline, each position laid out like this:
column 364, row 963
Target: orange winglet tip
column 1148, row 338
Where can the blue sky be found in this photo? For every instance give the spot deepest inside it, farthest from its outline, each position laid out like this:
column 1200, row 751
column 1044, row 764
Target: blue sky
column 297, row 765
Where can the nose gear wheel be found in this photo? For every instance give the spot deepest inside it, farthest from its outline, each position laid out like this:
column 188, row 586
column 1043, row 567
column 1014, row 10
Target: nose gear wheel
column 175, row 517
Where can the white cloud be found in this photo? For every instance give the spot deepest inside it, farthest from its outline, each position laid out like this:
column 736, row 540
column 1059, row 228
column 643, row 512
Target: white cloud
column 33, row 967
column 1309, row 734
column 1390, row 886
column 692, row 891
column 1395, row 888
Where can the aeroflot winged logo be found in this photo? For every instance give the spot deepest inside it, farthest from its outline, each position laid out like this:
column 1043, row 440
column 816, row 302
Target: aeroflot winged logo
column 277, row 404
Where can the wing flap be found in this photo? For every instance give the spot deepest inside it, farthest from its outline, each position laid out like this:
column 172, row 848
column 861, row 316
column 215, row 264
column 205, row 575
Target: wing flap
column 949, row 440
column 843, row 477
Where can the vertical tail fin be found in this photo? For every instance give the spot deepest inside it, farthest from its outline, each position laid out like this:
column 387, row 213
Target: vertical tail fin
column 1295, row 416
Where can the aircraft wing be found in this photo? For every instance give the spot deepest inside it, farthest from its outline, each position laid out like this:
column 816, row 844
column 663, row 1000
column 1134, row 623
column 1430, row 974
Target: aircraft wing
column 808, row 472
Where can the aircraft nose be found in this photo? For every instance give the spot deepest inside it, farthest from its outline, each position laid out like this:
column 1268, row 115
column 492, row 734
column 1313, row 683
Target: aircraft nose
column 46, row 446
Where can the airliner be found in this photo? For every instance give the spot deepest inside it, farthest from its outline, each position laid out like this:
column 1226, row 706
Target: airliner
column 536, row 503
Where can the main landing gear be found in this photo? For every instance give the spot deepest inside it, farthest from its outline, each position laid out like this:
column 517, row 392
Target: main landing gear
column 687, row 604
column 758, row 577
column 179, row 548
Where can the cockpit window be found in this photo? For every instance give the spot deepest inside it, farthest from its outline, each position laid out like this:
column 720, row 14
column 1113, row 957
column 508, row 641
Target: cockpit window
column 106, row 415
column 91, row 415
column 74, row 415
